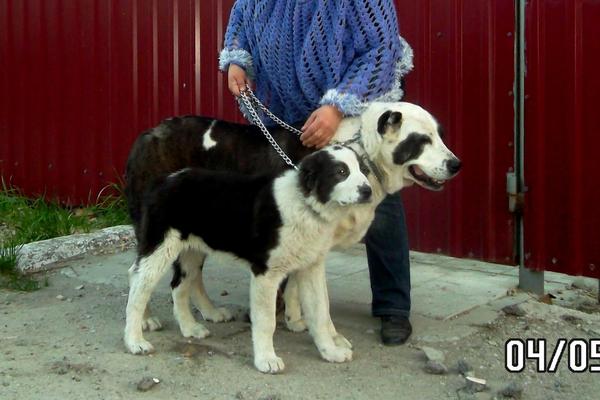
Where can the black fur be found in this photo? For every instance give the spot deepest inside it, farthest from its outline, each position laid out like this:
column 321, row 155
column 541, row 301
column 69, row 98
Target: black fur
column 320, row 173
column 178, row 274
column 230, row 212
column 410, row 148
column 387, row 119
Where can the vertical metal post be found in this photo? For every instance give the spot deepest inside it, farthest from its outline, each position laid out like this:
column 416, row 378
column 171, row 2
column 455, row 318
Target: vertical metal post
column 529, row 280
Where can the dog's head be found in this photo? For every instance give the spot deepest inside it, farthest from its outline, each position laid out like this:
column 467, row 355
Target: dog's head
column 408, row 143
column 335, row 174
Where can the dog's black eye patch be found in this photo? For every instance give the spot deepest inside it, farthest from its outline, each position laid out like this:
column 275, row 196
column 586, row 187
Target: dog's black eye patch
column 410, row 148
column 342, row 171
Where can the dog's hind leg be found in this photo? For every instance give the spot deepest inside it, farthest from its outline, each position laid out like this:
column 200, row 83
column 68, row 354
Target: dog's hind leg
column 263, row 294
column 293, row 310
column 145, row 274
column 338, row 338
column 315, row 304
column 200, row 298
column 149, row 323
column 181, row 285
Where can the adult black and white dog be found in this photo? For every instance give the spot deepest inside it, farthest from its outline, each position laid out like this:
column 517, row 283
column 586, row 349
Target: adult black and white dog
column 282, row 225
column 400, row 143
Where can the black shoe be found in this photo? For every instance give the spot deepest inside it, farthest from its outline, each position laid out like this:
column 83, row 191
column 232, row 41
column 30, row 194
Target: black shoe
column 395, row 330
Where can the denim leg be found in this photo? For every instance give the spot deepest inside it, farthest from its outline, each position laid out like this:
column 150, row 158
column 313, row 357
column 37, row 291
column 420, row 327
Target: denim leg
column 389, row 263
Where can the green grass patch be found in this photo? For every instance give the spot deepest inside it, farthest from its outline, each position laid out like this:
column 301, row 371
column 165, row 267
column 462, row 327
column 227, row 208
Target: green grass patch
column 24, row 220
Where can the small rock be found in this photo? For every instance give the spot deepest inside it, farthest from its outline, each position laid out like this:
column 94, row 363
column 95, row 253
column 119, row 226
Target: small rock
column 435, row 368
column 546, row 299
column 572, row 319
column 60, row 297
column 462, row 366
column 147, row 383
column 79, row 287
column 224, row 293
column 475, row 385
column 515, row 310
column 433, row 354
column 512, row 391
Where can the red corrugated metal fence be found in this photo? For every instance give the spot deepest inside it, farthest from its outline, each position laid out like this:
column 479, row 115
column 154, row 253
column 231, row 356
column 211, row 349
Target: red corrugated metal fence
column 464, row 73
column 80, row 79
column 562, row 214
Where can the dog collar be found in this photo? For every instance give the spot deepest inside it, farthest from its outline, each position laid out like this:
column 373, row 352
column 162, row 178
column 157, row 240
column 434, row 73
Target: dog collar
column 364, row 157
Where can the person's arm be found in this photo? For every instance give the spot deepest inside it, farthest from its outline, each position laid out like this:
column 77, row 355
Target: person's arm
column 370, row 75
column 235, row 57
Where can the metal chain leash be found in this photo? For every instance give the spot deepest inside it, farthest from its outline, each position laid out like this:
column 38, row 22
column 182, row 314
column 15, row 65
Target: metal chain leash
column 268, row 112
column 246, row 97
column 252, row 102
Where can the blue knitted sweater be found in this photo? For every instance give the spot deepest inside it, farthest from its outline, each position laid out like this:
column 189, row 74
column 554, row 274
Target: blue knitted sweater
column 306, row 53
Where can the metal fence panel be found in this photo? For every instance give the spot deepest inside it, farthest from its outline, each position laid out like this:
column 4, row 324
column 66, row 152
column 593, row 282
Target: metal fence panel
column 562, row 135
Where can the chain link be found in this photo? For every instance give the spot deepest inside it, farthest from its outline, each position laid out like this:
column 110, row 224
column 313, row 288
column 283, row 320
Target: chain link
column 269, row 114
column 246, row 97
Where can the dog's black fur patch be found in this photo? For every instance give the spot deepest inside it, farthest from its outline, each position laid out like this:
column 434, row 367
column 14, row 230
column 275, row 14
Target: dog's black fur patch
column 178, row 274
column 229, row 212
column 410, row 148
column 387, row 119
column 320, row 173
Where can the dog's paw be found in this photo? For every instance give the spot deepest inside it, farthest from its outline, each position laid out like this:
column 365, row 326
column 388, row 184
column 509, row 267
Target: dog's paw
column 220, row 314
column 269, row 365
column 341, row 341
column 195, row 330
column 151, row 324
column 139, row 346
column 295, row 326
column 336, row 354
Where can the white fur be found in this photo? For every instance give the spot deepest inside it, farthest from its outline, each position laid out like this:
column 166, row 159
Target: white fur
column 207, row 141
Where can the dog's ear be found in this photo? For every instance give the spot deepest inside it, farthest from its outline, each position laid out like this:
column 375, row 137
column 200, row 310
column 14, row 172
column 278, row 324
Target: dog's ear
column 389, row 119
column 308, row 175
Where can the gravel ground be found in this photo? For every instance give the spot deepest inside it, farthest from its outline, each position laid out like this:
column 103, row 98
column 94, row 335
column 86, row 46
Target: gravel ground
column 65, row 342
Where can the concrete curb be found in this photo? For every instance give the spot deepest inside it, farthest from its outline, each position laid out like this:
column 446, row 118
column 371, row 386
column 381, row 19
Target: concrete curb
column 45, row 254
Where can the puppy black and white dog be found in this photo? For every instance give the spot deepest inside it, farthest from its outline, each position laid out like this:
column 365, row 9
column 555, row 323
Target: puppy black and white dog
column 279, row 225
column 400, row 142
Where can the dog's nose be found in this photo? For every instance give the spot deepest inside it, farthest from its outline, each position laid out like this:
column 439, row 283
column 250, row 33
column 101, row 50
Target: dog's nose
column 365, row 192
column 453, row 165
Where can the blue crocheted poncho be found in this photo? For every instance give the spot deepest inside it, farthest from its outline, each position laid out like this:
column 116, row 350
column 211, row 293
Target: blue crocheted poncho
column 306, row 53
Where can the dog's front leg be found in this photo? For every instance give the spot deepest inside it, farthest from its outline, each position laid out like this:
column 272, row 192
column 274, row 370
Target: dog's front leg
column 263, row 297
column 315, row 304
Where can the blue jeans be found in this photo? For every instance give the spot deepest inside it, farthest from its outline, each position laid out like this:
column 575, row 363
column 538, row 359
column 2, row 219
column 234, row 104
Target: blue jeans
column 389, row 263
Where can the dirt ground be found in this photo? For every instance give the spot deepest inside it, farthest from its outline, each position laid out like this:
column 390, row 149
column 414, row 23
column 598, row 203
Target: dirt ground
column 65, row 342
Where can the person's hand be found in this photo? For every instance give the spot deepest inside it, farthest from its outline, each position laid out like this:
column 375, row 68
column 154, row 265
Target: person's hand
column 237, row 79
column 321, row 126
